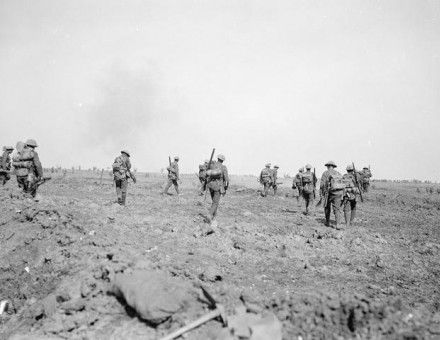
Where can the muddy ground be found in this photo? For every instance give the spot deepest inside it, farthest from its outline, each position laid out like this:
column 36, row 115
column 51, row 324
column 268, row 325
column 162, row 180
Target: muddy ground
column 378, row 279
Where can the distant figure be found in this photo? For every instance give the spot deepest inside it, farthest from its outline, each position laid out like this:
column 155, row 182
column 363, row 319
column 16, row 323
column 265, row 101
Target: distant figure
column 218, row 183
column 308, row 184
column 28, row 167
column 121, row 173
column 349, row 198
column 5, row 165
column 266, row 179
column 274, row 179
column 297, row 185
column 332, row 187
column 173, row 176
column 365, row 178
column 202, row 176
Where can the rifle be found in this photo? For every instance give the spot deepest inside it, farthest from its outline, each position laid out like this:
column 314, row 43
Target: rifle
column 208, row 168
column 169, row 160
column 357, row 183
column 314, row 183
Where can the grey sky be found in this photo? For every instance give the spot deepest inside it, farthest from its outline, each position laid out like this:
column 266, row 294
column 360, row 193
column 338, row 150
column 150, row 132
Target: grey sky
column 291, row 82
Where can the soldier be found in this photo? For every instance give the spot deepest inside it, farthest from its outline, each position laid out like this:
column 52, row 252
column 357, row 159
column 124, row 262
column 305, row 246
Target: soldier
column 5, row 165
column 308, row 183
column 202, row 176
column 173, row 176
column 332, row 188
column 217, row 183
column 365, row 178
column 296, row 185
column 28, row 167
column 121, row 173
column 275, row 178
column 349, row 198
column 266, row 179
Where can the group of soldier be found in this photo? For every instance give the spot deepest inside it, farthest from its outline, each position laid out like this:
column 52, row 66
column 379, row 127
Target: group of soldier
column 26, row 166
column 336, row 191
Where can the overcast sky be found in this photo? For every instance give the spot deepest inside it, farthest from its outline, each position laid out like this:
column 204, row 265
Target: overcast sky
column 290, row 82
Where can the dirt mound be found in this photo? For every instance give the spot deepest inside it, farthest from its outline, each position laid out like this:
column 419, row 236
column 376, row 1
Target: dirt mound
column 349, row 316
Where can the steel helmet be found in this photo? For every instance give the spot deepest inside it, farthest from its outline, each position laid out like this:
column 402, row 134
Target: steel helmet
column 276, row 166
column 221, row 157
column 366, row 167
column 126, row 152
column 268, row 165
column 330, row 163
column 301, row 169
column 31, row 142
column 349, row 167
column 206, row 161
column 8, row 148
column 308, row 166
column 176, row 158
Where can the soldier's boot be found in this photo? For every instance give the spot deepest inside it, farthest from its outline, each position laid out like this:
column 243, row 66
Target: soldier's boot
column 347, row 220
column 124, row 196
column 119, row 200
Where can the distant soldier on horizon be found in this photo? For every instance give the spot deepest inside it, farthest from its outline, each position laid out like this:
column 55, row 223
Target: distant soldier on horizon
column 28, row 167
column 5, row 165
column 121, row 173
column 202, row 176
column 218, row 184
column 266, row 179
column 332, row 188
column 274, row 179
column 296, row 185
column 365, row 175
column 308, row 184
column 349, row 198
column 173, row 176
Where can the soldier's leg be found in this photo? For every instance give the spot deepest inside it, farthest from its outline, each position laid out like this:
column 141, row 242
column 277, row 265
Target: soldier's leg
column 275, row 188
column 215, row 202
column 124, row 186
column 336, row 202
column 353, row 210
column 2, row 179
column 327, row 211
column 176, row 186
column 346, row 207
column 168, row 186
column 307, row 200
column 118, row 185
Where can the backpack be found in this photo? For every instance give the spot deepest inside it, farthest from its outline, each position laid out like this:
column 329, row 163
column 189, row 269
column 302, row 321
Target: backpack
column 307, row 178
column 23, row 163
column 336, row 182
column 119, row 171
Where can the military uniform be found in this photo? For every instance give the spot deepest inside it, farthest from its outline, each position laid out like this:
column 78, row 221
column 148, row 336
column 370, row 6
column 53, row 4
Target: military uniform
column 333, row 192
column 308, row 183
column 296, row 185
column 218, row 183
column 121, row 173
column 28, row 168
column 274, row 179
column 173, row 176
column 349, row 197
column 365, row 178
column 266, row 179
column 5, row 165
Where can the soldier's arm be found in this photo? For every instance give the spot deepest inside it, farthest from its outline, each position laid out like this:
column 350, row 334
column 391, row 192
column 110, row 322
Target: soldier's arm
column 226, row 177
column 177, row 171
column 38, row 167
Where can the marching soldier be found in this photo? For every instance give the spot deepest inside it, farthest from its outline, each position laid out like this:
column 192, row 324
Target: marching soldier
column 266, row 179
column 365, row 178
column 332, row 188
column 296, row 185
column 121, row 173
column 28, row 168
column 308, row 183
column 349, row 198
column 173, row 176
column 217, row 183
column 274, row 179
column 5, row 165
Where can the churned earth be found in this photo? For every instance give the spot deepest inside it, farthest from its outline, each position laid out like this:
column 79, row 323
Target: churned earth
column 378, row 279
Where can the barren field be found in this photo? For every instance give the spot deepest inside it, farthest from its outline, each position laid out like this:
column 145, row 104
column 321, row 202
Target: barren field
column 59, row 257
